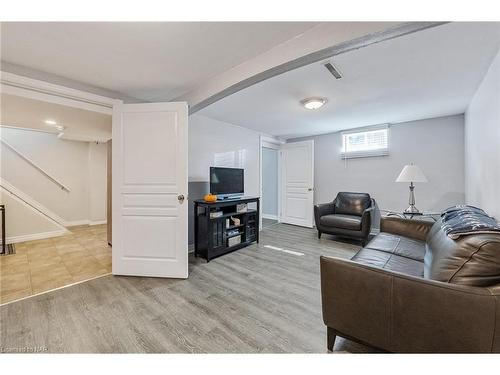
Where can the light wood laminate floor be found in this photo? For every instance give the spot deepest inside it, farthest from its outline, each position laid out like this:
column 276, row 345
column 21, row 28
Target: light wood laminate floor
column 268, row 222
column 257, row 299
column 42, row 265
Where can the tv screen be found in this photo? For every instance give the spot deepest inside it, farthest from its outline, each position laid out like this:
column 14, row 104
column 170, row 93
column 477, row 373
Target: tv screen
column 226, row 181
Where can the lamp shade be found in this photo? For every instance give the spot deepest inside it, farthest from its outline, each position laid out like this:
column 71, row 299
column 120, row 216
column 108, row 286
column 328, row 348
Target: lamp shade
column 411, row 173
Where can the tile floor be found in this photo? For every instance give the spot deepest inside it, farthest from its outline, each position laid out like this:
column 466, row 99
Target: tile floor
column 42, row 265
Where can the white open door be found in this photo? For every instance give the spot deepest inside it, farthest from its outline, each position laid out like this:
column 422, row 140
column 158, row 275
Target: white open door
column 149, row 190
column 297, row 183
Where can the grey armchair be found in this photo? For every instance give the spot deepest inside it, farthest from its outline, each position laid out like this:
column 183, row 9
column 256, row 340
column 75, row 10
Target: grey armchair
column 349, row 215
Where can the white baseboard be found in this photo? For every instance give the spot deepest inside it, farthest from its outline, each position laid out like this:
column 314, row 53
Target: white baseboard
column 269, row 216
column 35, row 236
column 98, row 222
column 76, row 223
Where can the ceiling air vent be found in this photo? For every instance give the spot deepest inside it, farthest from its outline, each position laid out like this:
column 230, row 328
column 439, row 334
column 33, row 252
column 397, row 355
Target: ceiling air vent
column 332, row 69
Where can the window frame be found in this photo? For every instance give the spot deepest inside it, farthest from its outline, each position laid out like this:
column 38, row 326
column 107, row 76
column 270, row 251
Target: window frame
column 367, row 152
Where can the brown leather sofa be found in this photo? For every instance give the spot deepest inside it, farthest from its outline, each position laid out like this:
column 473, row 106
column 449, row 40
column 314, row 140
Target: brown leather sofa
column 349, row 215
column 413, row 289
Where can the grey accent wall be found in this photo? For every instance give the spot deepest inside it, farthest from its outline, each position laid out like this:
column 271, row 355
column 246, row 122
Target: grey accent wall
column 269, row 181
column 436, row 145
column 482, row 143
column 196, row 190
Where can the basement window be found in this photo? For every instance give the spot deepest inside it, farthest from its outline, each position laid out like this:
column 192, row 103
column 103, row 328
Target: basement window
column 365, row 142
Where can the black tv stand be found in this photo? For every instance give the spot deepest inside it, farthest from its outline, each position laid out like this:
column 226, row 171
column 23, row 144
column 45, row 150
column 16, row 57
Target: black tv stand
column 213, row 236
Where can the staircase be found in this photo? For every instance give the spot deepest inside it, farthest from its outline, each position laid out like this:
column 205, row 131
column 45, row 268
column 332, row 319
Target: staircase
column 25, row 218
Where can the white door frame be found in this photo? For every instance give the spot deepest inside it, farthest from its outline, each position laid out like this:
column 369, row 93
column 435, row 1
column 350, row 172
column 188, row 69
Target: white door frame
column 275, row 144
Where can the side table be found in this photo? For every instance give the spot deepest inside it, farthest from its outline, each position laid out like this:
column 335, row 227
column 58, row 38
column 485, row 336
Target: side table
column 426, row 215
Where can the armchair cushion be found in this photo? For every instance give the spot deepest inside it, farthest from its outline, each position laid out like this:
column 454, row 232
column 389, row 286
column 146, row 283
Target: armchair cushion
column 352, row 203
column 324, row 209
column 341, row 221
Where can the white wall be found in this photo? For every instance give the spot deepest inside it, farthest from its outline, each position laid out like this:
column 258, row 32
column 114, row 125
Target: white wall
column 23, row 223
column 436, row 145
column 269, row 181
column 482, row 144
column 209, row 138
column 75, row 164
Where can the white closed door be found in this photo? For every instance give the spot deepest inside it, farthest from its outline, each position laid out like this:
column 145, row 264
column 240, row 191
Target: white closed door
column 150, row 190
column 297, row 183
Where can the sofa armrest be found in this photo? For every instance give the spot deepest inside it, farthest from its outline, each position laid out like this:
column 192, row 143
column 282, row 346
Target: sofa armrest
column 322, row 210
column 401, row 313
column 366, row 219
column 416, row 229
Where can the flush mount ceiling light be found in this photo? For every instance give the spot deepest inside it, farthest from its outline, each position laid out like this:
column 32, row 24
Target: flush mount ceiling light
column 313, row 103
column 54, row 124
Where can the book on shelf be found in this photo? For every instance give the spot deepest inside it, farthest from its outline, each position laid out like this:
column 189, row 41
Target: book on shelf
column 242, row 207
column 233, row 241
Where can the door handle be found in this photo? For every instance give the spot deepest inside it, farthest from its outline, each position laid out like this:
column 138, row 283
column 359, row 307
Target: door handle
column 181, row 198
column 310, row 189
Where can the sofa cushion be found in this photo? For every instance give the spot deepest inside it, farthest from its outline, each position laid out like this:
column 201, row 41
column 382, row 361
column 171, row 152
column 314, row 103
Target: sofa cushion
column 399, row 245
column 341, row 221
column 389, row 261
column 472, row 260
column 352, row 203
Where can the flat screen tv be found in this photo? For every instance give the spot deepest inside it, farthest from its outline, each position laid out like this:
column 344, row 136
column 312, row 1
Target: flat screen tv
column 226, row 182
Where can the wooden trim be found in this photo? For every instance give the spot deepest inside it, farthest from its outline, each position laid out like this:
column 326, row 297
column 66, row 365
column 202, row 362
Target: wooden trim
column 52, row 290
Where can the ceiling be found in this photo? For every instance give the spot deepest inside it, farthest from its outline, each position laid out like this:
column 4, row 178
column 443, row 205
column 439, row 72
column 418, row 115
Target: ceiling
column 143, row 60
column 79, row 124
column 427, row 74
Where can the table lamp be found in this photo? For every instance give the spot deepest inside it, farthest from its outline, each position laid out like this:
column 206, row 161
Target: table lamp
column 411, row 173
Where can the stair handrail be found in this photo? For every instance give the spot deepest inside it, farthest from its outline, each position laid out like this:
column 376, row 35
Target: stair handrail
column 10, row 190
column 33, row 164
